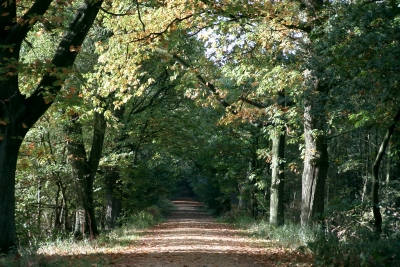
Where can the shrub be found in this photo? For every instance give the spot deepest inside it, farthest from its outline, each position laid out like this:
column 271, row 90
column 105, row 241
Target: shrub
column 238, row 217
column 355, row 248
column 165, row 206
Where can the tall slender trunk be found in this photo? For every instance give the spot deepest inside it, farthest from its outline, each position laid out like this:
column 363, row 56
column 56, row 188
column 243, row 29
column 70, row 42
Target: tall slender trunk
column 375, row 175
column 278, row 173
column 39, row 202
column 58, row 208
column 84, row 172
column 277, row 178
column 113, row 197
column 78, row 159
column 64, row 207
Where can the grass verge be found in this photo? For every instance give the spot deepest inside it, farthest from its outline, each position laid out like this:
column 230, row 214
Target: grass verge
column 338, row 246
column 97, row 252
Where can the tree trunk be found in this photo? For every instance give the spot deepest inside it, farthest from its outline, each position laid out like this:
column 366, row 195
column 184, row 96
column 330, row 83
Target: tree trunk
column 20, row 113
column 12, row 131
column 57, row 208
column 78, row 159
column 96, row 150
column 113, row 198
column 375, row 176
column 316, row 163
column 39, row 202
column 9, row 148
column 314, row 177
column 277, row 178
column 84, row 172
column 65, row 209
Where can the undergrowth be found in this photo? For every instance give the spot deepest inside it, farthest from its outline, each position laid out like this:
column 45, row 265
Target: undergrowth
column 289, row 235
column 344, row 245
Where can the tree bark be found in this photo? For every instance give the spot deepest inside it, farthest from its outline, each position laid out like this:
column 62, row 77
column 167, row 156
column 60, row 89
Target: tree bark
column 277, row 178
column 21, row 113
column 84, row 172
column 12, row 112
column 316, row 162
column 58, row 208
column 113, row 197
column 314, row 174
column 8, row 160
column 77, row 157
column 375, row 176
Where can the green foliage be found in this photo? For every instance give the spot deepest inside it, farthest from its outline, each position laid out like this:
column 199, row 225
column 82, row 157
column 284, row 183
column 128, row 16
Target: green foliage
column 289, row 235
column 238, row 217
column 347, row 238
column 165, row 206
column 142, row 219
column 355, row 248
column 149, row 216
column 210, row 194
column 164, row 125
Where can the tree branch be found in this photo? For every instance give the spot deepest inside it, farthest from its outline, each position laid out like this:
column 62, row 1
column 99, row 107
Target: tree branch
column 115, row 14
column 18, row 31
column 64, row 57
column 140, row 18
column 251, row 102
column 152, row 34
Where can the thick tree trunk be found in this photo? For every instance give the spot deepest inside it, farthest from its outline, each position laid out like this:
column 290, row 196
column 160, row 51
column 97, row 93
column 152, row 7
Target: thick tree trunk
column 20, row 113
column 12, row 130
column 316, row 162
column 315, row 171
column 12, row 111
column 375, row 175
column 9, row 148
column 277, row 178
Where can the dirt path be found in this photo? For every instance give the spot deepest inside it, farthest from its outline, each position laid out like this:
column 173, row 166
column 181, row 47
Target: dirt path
column 191, row 238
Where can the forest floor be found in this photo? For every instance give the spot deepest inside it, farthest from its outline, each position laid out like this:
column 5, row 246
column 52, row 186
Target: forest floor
column 192, row 238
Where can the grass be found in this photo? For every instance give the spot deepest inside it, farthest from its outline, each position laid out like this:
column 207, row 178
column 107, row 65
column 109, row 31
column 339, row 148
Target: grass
column 290, row 235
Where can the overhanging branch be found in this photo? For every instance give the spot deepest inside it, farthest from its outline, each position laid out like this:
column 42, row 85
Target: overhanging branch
column 64, row 57
column 209, row 85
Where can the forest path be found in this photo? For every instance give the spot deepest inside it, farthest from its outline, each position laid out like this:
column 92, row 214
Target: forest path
column 191, row 238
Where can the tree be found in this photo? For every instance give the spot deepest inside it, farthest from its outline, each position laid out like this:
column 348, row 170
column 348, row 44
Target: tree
column 360, row 61
column 84, row 171
column 22, row 111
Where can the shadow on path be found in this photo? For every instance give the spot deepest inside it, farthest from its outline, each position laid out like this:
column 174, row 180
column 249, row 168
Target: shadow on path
column 191, row 238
